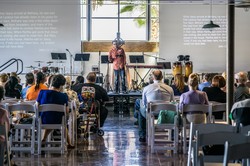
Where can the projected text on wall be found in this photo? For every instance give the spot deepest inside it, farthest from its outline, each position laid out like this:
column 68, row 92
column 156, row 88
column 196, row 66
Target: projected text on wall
column 194, row 34
column 27, row 28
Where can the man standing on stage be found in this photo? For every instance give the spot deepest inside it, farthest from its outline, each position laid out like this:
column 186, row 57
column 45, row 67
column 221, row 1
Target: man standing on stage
column 118, row 57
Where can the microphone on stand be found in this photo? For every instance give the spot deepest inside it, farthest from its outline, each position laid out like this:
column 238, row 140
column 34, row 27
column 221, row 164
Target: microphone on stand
column 71, row 66
column 68, row 51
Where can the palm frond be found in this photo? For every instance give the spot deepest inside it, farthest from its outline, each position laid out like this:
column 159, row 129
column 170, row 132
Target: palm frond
column 128, row 8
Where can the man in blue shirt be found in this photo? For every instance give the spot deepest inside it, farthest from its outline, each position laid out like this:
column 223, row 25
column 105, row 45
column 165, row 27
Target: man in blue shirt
column 30, row 79
column 206, row 82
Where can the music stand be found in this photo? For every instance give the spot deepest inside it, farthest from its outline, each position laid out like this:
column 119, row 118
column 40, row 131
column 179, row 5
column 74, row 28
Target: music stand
column 104, row 59
column 136, row 59
column 82, row 57
column 165, row 65
column 58, row 56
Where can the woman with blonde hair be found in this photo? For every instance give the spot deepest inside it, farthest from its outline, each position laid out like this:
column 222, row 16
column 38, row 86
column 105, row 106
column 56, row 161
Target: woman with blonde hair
column 72, row 95
column 3, row 79
column 194, row 96
column 178, row 85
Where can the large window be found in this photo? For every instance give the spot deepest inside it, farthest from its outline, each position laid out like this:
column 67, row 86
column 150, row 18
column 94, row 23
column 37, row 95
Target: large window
column 138, row 20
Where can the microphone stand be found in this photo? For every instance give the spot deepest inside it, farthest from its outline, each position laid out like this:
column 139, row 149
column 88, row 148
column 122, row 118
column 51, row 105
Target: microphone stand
column 99, row 70
column 71, row 66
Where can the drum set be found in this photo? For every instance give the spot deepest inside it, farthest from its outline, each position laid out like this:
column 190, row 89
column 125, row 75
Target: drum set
column 47, row 69
column 185, row 68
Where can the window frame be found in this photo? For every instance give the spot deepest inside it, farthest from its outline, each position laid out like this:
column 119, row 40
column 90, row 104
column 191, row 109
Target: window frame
column 89, row 19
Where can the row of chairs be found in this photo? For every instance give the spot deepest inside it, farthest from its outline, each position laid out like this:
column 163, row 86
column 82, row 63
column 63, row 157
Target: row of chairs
column 166, row 136
column 24, row 137
column 205, row 135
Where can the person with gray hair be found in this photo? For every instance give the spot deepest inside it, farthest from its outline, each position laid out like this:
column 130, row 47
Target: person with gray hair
column 156, row 91
column 241, row 91
column 248, row 79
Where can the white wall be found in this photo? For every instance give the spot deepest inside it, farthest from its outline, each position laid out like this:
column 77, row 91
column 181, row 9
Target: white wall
column 32, row 30
column 207, row 56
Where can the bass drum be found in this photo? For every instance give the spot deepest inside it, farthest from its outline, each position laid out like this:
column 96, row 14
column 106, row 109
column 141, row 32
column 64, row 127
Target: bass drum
column 177, row 68
column 188, row 68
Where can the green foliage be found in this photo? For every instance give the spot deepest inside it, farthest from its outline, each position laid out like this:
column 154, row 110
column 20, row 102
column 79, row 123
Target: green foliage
column 140, row 22
column 128, row 8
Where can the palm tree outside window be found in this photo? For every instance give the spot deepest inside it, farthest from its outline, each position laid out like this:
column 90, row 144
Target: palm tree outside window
column 139, row 21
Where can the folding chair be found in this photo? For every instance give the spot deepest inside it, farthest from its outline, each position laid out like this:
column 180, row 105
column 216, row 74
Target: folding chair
column 31, row 102
column 240, row 150
column 190, row 108
column 4, row 146
column 209, row 134
column 24, row 138
column 52, row 145
column 10, row 101
column 161, row 134
column 218, row 107
column 2, row 105
column 148, row 115
column 72, row 123
column 245, row 130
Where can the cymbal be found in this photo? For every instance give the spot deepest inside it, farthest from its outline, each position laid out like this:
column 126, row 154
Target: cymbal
column 50, row 62
column 38, row 61
column 31, row 67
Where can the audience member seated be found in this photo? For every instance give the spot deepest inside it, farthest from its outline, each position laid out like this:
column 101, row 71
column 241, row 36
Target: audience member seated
column 3, row 79
column 241, row 91
column 224, row 75
column 30, row 79
column 48, row 80
column 72, row 95
column 18, row 86
column 53, row 95
column 240, row 113
column 206, row 82
column 34, row 90
column 178, row 85
column 248, row 79
column 194, row 96
column 4, row 115
column 214, row 93
column 78, row 84
column 100, row 95
column 156, row 91
column 137, row 101
column 11, row 89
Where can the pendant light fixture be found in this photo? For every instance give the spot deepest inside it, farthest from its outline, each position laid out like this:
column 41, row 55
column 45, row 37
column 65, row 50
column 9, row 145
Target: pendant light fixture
column 118, row 40
column 245, row 4
column 211, row 24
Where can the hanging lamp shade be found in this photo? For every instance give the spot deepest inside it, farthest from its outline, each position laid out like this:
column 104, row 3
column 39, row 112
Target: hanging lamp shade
column 1, row 25
column 118, row 40
column 211, row 25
